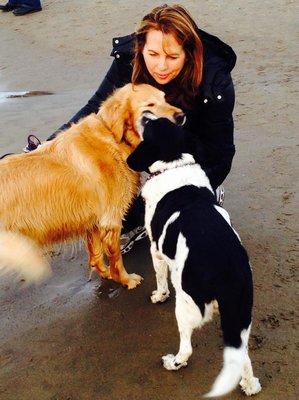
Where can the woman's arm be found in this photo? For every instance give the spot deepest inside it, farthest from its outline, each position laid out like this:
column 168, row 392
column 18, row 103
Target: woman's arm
column 115, row 78
column 214, row 144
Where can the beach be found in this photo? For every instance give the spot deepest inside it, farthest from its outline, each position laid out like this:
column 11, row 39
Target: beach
column 74, row 339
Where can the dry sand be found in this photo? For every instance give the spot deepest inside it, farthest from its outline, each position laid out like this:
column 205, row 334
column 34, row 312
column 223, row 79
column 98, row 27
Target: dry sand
column 69, row 339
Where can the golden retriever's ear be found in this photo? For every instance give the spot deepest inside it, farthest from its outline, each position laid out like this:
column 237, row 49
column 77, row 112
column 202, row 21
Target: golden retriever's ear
column 115, row 112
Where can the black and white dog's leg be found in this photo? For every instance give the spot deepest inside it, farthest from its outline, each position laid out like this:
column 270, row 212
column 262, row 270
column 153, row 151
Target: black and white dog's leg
column 249, row 383
column 188, row 318
column 161, row 268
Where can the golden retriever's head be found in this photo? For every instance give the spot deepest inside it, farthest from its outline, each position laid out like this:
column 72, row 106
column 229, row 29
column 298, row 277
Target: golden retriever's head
column 129, row 108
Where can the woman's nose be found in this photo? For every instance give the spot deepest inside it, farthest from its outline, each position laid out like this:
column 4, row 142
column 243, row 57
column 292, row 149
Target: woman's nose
column 162, row 65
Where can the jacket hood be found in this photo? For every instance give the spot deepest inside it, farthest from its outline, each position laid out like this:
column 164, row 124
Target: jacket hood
column 213, row 48
column 218, row 60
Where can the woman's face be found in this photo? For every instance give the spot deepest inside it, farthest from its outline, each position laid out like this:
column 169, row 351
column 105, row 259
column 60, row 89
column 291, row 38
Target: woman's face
column 164, row 57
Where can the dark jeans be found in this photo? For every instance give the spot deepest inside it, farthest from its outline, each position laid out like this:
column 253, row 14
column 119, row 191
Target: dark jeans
column 27, row 3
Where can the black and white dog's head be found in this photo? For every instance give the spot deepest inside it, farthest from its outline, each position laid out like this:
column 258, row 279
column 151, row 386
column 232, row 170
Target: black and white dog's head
column 163, row 144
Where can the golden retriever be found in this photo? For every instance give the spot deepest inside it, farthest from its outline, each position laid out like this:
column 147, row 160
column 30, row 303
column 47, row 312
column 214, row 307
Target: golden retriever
column 77, row 185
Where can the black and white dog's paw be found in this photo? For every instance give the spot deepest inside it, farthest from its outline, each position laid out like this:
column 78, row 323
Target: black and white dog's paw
column 169, row 362
column 159, row 297
column 250, row 386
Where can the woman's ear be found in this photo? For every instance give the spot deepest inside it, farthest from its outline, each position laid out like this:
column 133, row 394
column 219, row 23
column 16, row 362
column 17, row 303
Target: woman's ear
column 142, row 157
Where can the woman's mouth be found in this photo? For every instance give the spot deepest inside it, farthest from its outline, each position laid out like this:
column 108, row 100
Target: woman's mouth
column 162, row 76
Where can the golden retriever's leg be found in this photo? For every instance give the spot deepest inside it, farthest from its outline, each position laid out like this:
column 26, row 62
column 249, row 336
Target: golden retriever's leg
column 111, row 241
column 95, row 249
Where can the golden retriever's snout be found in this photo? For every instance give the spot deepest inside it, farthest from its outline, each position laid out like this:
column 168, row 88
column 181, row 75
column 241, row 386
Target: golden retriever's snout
column 180, row 118
column 147, row 116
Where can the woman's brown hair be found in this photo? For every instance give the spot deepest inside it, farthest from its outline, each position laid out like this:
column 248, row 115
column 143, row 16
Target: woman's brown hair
column 173, row 20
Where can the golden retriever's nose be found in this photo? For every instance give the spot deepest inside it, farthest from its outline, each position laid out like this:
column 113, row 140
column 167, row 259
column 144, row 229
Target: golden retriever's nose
column 180, row 118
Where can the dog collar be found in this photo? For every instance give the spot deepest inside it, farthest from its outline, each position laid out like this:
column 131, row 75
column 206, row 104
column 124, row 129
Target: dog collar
column 152, row 175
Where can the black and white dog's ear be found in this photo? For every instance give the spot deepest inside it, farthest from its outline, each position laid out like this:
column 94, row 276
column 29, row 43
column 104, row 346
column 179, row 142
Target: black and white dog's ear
column 168, row 137
column 142, row 157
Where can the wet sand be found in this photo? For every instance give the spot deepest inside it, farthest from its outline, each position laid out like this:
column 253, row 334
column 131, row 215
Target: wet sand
column 70, row 339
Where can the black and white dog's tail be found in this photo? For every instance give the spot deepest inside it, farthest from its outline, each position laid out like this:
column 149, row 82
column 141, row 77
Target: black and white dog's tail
column 234, row 360
column 236, row 323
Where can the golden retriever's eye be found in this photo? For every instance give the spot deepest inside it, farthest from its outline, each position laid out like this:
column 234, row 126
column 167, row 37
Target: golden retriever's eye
column 150, row 105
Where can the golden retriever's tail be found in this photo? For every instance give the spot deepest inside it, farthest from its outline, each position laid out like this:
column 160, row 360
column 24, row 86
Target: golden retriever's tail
column 21, row 255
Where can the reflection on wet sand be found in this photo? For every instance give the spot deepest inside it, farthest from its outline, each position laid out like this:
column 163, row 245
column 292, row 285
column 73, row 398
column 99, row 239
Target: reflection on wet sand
column 31, row 93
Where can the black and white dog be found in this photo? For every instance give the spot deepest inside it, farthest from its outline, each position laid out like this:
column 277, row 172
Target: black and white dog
column 193, row 236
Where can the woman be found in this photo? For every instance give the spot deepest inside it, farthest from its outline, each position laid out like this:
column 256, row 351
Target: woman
column 193, row 68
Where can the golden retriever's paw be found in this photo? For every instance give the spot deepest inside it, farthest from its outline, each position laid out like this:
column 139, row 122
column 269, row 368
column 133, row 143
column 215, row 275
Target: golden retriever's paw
column 132, row 281
column 103, row 273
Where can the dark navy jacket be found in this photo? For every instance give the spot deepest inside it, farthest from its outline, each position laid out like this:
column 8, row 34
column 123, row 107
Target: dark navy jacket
column 209, row 124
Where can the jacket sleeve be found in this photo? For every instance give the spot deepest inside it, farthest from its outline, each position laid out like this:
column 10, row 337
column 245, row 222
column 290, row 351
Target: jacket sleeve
column 114, row 79
column 216, row 143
